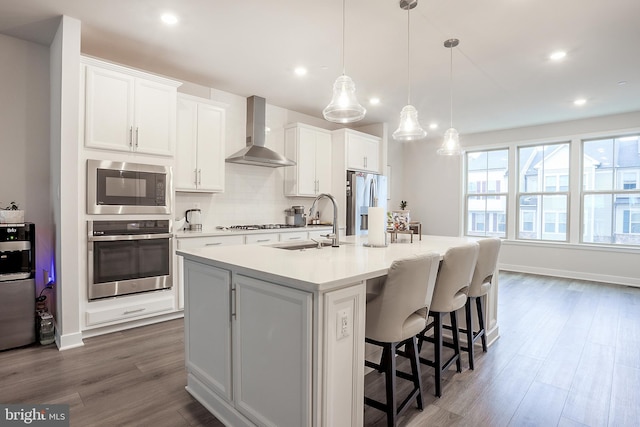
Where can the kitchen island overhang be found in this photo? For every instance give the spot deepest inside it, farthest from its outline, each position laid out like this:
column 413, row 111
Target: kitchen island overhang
column 249, row 306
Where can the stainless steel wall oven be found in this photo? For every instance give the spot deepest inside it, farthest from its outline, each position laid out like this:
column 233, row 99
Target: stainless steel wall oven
column 128, row 256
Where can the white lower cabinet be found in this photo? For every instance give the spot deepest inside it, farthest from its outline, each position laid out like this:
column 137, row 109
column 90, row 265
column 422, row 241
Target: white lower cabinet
column 293, row 236
column 249, row 342
column 272, row 353
column 110, row 311
column 262, row 239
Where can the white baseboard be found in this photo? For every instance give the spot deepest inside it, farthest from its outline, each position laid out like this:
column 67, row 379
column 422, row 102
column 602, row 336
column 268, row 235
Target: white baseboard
column 578, row 275
column 69, row 341
column 131, row 324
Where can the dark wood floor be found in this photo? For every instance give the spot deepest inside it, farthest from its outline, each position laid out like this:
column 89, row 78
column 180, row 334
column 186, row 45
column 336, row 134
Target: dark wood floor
column 568, row 355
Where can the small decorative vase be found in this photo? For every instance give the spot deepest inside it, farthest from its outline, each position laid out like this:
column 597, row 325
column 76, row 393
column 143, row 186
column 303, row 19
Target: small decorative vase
column 401, row 220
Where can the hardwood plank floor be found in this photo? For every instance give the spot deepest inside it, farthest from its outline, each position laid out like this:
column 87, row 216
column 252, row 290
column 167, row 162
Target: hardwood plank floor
column 568, row 355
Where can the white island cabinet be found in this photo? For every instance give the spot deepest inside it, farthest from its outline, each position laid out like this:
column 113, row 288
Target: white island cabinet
column 275, row 337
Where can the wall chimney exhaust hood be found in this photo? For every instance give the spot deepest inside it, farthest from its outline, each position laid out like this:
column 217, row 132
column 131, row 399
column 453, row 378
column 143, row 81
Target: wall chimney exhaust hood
column 255, row 153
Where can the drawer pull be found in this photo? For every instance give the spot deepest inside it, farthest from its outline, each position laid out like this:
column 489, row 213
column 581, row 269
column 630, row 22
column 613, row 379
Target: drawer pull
column 263, row 240
column 295, row 238
column 137, row 310
column 213, row 244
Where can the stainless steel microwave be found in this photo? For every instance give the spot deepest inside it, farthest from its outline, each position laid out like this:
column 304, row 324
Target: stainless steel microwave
column 128, row 188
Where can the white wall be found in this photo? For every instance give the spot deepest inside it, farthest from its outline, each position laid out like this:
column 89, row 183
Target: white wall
column 24, row 139
column 433, row 185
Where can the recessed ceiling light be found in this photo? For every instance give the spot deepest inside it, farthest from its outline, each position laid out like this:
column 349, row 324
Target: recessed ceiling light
column 374, row 101
column 558, row 55
column 169, row 18
column 433, row 126
column 580, row 101
column 622, row 82
column 300, row 71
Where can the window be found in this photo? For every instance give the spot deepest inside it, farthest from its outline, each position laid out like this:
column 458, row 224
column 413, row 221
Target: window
column 543, row 192
column 486, row 192
column 610, row 191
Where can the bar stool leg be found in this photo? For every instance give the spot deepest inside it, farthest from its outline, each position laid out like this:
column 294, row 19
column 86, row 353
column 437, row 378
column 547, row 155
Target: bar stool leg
column 437, row 336
column 481, row 329
column 412, row 351
column 456, row 339
column 470, row 337
column 390, row 379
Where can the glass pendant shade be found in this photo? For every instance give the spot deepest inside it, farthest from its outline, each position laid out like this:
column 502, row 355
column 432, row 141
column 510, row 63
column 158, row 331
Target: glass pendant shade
column 409, row 128
column 344, row 107
column 451, row 144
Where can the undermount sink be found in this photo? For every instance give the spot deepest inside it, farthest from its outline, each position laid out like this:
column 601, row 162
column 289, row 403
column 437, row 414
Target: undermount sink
column 294, row 246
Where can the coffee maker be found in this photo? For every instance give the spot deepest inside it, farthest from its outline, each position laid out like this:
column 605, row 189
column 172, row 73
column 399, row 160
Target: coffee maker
column 299, row 217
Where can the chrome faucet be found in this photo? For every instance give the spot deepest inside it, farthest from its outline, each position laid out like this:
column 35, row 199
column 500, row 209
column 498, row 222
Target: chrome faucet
column 335, row 241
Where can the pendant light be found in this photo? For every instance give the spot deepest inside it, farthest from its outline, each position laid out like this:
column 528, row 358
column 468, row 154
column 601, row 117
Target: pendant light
column 451, row 144
column 409, row 128
column 344, row 107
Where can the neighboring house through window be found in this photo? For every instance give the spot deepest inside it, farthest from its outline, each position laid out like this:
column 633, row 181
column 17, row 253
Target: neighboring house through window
column 611, row 191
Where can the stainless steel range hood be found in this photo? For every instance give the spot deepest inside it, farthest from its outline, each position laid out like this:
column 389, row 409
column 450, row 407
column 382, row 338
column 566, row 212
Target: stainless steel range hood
column 255, row 153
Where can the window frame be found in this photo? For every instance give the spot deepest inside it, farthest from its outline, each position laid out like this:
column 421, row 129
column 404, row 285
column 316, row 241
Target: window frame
column 486, row 195
column 613, row 192
column 540, row 192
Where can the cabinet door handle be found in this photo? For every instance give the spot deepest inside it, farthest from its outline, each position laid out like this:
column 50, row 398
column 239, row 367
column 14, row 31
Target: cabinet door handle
column 232, row 303
column 137, row 136
column 137, row 310
column 365, row 161
column 199, row 176
column 130, row 136
column 195, row 177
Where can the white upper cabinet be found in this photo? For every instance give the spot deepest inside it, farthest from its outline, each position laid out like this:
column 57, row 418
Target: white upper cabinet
column 200, row 154
column 310, row 148
column 362, row 150
column 127, row 110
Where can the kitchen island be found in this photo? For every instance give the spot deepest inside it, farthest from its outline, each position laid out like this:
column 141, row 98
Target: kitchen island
column 276, row 336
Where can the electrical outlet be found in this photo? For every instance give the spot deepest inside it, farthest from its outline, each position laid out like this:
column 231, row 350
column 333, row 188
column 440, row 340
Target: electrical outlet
column 342, row 324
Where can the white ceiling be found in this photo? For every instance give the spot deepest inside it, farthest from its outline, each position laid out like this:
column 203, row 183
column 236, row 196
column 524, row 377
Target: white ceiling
column 502, row 77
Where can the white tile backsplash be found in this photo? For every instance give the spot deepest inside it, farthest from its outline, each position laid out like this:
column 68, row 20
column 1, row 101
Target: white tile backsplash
column 253, row 195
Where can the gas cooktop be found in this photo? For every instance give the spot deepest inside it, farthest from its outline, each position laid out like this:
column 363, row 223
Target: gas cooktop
column 255, row 227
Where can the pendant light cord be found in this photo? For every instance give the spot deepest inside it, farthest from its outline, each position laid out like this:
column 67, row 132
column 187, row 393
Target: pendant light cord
column 408, row 56
column 451, row 85
column 343, row 33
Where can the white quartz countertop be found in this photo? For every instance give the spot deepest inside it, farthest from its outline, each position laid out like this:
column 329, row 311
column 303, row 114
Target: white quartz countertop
column 236, row 232
column 318, row 269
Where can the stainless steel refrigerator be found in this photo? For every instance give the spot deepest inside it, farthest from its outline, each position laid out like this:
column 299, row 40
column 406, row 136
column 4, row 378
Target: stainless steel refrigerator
column 364, row 190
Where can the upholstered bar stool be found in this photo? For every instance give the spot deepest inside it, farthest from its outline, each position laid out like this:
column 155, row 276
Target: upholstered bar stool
column 480, row 286
column 392, row 321
column 449, row 295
